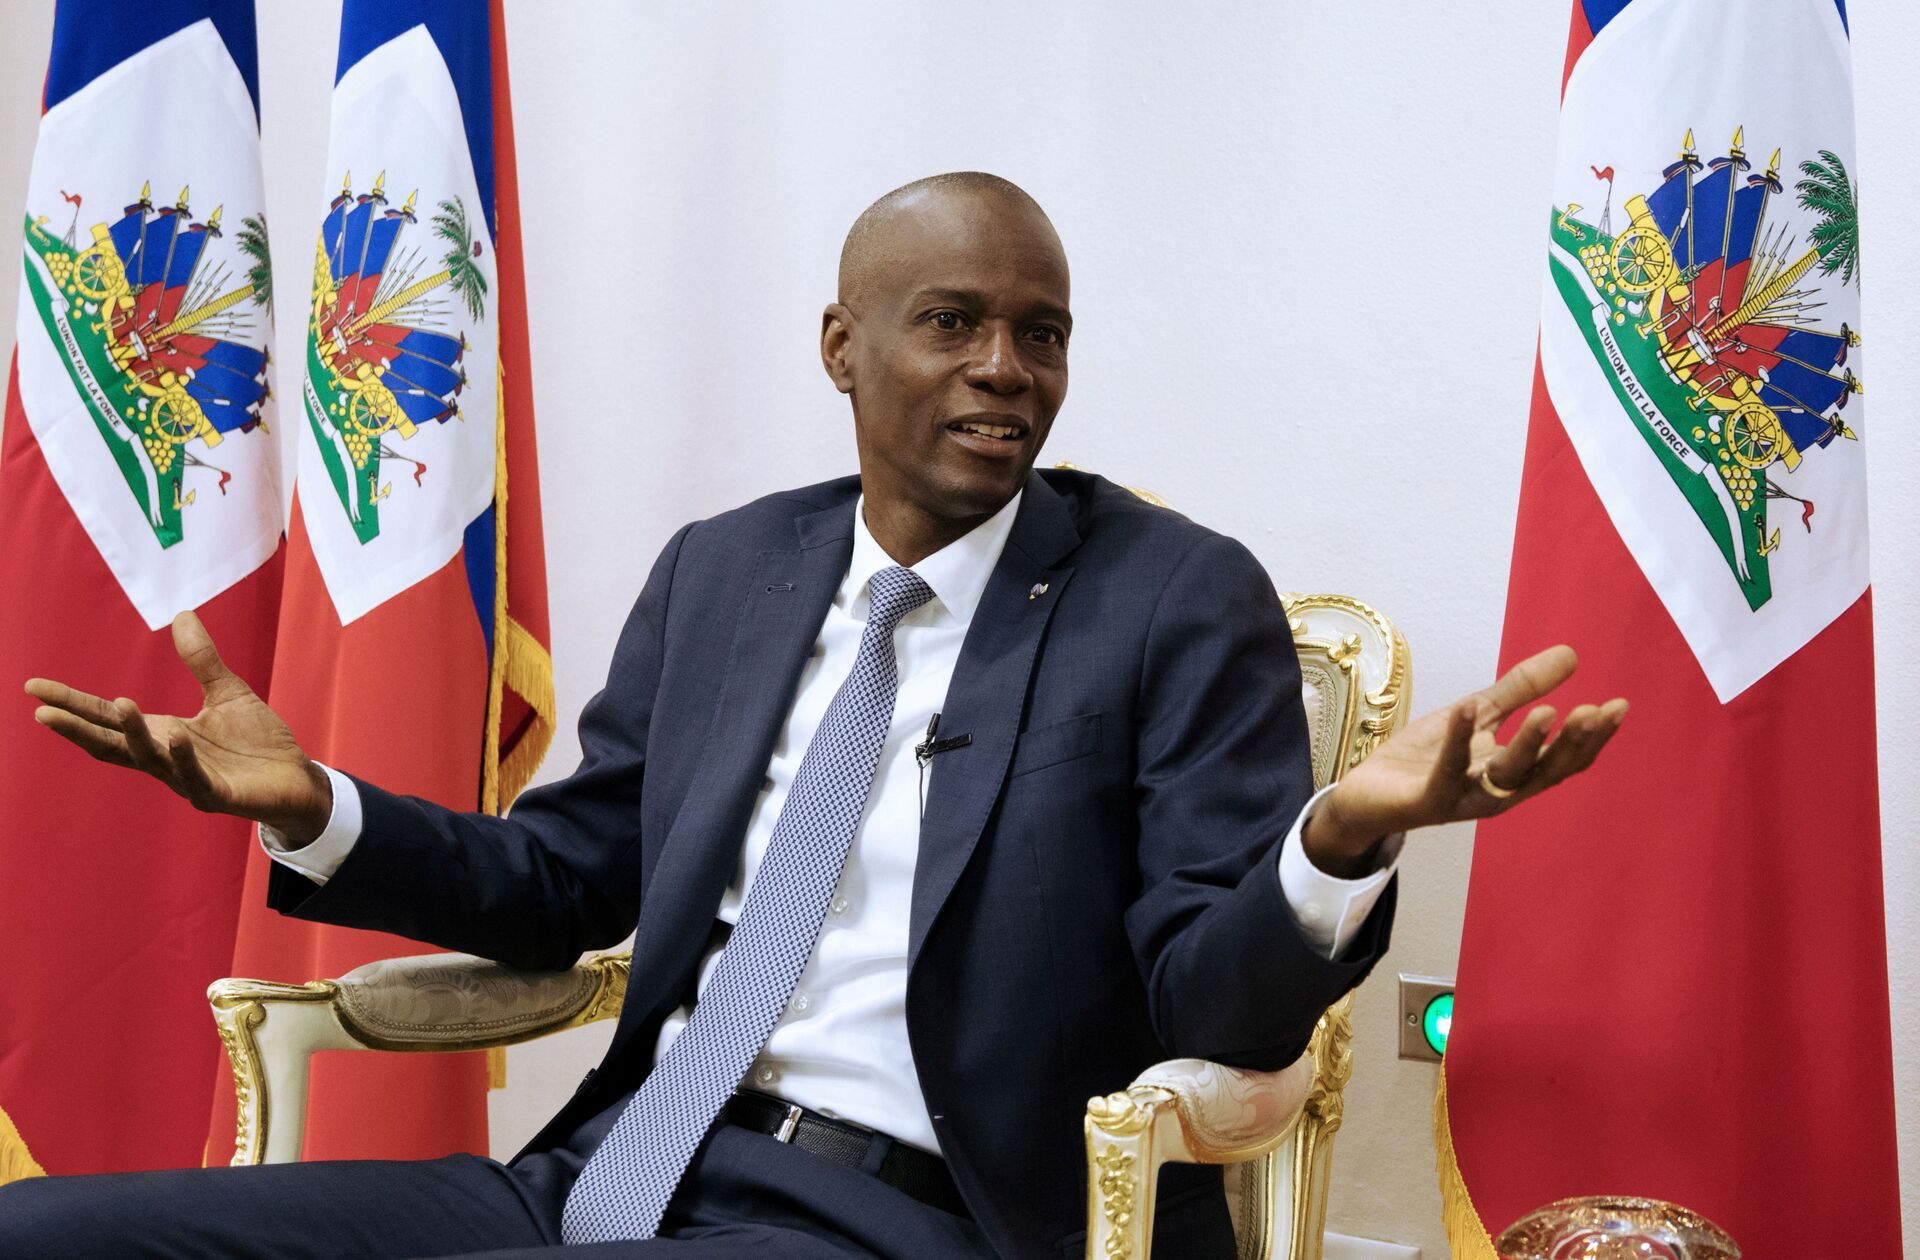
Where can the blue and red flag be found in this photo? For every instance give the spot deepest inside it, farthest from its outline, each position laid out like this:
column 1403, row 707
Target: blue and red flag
column 1673, row 977
column 139, row 479
column 414, row 621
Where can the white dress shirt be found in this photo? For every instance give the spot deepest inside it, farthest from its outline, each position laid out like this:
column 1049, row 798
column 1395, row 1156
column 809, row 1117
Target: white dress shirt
column 841, row 1048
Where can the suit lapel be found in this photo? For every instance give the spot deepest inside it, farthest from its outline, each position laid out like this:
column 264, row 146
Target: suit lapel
column 786, row 599
column 987, row 697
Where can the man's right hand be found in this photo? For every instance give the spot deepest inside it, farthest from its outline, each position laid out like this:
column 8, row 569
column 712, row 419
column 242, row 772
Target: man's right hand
column 235, row 756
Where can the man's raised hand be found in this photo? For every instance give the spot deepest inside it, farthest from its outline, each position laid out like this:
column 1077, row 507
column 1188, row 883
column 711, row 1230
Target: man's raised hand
column 1447, row 766
column 235, row 756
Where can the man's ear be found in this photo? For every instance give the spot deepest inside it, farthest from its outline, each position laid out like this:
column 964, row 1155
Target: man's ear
column 836, row 336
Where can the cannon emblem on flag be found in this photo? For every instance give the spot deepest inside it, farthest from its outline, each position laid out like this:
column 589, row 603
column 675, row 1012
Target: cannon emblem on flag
column 385, row 349
column 149, row 329
column 1701, row 311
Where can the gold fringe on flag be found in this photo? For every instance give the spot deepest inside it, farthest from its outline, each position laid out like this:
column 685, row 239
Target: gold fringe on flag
column 16, row 1163
column 519, row 660
column 1467, row 1236
column 519, row 663
column 529, row 671
column 497, row 1068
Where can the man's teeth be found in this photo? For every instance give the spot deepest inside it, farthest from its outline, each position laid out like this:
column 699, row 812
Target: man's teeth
column 990, row 430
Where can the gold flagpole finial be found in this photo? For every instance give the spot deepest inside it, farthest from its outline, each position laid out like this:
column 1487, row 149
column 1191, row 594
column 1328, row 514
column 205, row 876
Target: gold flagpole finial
column 346, row 184
column 380, row 183
column 1739, row 142
column 1686, row 146
column 182, row 203
column 411, row 198
column 1773, row 165
column 213, row 220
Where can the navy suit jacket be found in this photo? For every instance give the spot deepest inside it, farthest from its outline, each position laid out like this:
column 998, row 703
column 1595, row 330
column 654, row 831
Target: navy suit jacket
column 1097, row 885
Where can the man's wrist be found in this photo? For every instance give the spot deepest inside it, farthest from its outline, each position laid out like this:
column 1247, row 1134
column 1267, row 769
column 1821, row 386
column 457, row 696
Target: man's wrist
column 1334, row 846
column 302, row 824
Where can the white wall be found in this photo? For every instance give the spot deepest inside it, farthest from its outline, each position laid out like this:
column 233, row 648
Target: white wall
column 1306, row 250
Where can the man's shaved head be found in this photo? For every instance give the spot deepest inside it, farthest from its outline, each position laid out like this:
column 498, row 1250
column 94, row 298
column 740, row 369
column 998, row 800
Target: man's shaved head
column 870, row 243
column 950, row 338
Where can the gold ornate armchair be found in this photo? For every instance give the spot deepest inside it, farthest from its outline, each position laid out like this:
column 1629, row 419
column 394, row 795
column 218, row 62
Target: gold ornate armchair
column 1272, row 1132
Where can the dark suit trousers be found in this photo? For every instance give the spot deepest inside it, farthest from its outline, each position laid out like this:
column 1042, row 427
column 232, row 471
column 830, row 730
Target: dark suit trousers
column 745, row 1194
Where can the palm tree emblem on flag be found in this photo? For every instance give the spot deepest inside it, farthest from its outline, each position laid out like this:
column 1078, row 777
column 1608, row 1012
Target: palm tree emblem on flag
column 148, row 329
column 382, row 358
column 1700, row 312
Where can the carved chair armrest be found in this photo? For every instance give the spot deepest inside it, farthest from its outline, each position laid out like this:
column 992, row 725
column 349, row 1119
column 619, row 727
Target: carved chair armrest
column 1187, row 1111
column 431, row 1002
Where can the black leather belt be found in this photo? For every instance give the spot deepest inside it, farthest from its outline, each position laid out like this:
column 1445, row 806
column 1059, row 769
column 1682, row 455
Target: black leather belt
column 906, row 1169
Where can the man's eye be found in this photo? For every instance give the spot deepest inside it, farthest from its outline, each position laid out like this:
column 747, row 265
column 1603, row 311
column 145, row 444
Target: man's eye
column 946, row 321
column 1049, row 336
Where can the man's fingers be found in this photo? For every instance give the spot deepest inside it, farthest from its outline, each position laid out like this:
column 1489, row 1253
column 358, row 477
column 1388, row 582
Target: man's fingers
column 1509, row 767
column 141, row 746
column 82, row 705
column 1532, row 679
column 1568, row 752
column 195, row 646
column 1605, row 723
column 1456, row 753
column 96, row 741
column 1587, row 731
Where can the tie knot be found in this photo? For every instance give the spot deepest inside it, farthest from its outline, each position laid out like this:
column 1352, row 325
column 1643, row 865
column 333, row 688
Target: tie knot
column 894, row 592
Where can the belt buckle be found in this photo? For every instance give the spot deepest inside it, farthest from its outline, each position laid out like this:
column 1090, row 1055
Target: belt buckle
column 785, row 1132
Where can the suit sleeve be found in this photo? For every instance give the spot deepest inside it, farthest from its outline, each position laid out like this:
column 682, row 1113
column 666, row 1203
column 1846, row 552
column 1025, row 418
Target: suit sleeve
column 1224, row 769
column 559, row 875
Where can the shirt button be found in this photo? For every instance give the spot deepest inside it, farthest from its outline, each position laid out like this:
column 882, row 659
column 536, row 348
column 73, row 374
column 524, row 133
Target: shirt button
column 839, row 907
column 765, row 1075
column 1310, row 914
column 801, row 1003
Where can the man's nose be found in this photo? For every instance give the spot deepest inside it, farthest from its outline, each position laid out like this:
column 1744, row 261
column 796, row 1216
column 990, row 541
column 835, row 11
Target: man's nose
column 997, row 365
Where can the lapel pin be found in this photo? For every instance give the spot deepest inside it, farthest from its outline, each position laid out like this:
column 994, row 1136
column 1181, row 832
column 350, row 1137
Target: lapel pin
column 1039, row 589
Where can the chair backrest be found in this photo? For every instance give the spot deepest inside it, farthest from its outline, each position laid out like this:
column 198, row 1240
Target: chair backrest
column 1356, row 676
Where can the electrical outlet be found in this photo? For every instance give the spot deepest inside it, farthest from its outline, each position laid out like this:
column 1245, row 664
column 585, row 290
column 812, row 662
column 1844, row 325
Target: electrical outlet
column 1426, row 1017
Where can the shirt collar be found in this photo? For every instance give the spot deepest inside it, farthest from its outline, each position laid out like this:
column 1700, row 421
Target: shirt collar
column 958, row 572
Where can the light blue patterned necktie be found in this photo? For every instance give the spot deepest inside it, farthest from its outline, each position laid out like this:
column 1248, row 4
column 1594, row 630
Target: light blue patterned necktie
column 623, row 1191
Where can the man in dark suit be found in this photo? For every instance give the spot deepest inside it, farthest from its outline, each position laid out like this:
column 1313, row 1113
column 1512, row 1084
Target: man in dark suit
column 940, row 798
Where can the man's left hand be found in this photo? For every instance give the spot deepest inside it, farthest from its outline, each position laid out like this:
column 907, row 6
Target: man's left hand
column 1447, row 766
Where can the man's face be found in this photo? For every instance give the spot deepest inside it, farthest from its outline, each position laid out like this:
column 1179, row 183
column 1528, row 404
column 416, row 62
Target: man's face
column 953, row 346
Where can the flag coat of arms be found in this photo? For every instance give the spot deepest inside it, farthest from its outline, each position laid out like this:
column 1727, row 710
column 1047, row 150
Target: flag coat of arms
column 140, row 479
column 414, row 620
column 1673, row 976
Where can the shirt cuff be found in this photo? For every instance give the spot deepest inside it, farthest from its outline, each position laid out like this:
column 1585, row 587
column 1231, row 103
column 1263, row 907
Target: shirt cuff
column 321, row 857
column 1331, row 910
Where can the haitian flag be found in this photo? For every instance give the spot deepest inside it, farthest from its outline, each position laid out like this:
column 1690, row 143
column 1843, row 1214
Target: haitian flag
column 1673, row 977
column 139, row 479
column 414, row 621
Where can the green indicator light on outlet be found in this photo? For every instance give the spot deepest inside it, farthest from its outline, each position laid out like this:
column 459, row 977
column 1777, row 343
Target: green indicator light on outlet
column 1438, row 1022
